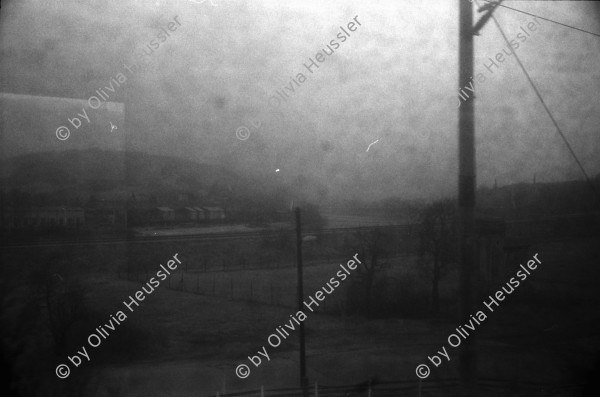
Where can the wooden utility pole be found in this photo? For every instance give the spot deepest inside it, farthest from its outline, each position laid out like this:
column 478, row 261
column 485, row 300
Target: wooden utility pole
column 303, row 378
column 466, row 194
column 466, row 186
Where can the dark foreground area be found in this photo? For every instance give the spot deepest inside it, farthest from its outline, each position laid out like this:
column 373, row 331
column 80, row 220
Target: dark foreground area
column 188, row 335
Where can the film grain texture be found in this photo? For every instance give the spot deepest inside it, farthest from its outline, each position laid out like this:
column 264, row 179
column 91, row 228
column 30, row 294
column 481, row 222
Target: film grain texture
column 299, row 198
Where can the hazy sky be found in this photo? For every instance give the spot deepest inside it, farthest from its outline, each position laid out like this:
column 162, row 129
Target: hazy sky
column 393, row 80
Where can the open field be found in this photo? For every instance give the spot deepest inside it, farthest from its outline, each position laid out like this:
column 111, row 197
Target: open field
column 186, row 339
column 215, row 341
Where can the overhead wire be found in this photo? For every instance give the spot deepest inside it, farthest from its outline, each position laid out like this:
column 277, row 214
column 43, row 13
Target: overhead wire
column 587, row 178
column 545, row 19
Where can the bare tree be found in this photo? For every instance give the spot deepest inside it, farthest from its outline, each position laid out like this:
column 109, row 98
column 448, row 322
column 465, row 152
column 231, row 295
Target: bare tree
column 438, row 237
column 374, row 248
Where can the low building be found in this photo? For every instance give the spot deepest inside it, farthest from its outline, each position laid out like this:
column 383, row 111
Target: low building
column 106, row 213
column 164, row 214
column 37, row 218
column 186, row 214
column 200, row 215
column 214, row 213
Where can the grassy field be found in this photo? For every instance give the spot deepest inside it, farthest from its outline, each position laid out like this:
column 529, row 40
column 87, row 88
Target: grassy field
column 181, row 343
column 515, row 343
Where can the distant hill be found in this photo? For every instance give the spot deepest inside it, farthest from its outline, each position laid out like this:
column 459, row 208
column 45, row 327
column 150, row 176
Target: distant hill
column 523, row 199
column 115, row 175
column 514, row 201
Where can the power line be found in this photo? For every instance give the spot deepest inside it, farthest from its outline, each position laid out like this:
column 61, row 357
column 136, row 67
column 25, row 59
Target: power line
column 587, row 178
column 545, row 19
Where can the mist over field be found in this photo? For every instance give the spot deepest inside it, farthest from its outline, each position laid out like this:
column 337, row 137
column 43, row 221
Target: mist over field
column 393, row 80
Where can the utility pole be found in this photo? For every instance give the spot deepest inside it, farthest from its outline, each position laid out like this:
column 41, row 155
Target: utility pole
column 466, row 194
column 466, row 186
column 303, row 378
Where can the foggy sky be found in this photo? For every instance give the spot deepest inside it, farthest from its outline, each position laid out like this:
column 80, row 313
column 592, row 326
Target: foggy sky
column 394, row 80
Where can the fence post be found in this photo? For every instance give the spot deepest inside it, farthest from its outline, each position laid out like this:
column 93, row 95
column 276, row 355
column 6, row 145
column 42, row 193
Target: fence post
column 262, row 391
column 317, row 390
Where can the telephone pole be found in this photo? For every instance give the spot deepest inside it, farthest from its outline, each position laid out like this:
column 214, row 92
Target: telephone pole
column 466, row 186
column 466, row 194
column 303, row 378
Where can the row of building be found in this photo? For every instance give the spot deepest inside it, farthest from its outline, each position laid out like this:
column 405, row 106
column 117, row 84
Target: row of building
column 111, row 216
column 183, row 214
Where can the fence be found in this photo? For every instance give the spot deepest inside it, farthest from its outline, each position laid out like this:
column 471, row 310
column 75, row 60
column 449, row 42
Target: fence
column 225, row 285
column 418, row 388
column 246, row 285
